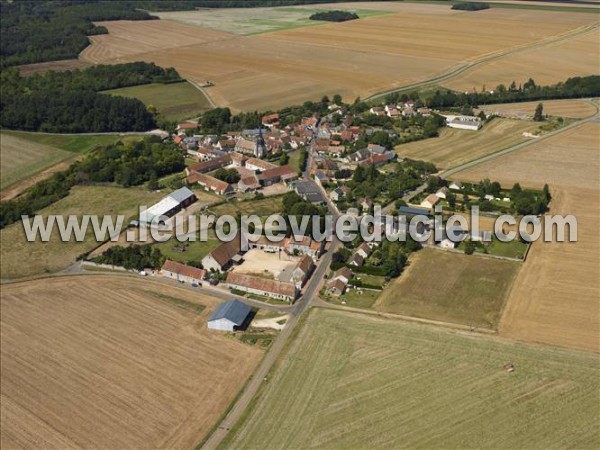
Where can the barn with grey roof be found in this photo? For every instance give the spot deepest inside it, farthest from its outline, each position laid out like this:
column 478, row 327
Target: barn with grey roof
column 229, row 316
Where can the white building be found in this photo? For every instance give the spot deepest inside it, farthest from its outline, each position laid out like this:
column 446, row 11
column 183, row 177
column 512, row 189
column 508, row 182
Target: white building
column 229, row 316
column 464, row 122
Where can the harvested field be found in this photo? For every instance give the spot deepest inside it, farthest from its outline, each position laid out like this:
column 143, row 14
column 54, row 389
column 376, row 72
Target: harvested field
column 451, row 287
column 277, row 69
column 21, row 258
column 573, row 109
column 357, row 381
column 133, row 38
column 175, row 101
column 555, row 297
column 119, row 363
column 577, row 56
column 454, row 147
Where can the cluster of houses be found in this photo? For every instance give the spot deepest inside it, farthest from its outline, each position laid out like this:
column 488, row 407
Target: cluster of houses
column 302, row 251
column 405, row 109
column 254, row 173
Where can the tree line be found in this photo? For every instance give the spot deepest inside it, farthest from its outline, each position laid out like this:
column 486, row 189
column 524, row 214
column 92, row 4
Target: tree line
column 133, row 257
column 123, row 164
column 70, row 102
column 334, row 16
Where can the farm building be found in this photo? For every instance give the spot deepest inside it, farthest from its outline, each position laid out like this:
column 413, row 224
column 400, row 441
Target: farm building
column 229, row 316
column 280, row 290
column 336, row 287
column 464, row 122
column 213, row 184
column 169, row 205
column 220, row 258
column 430, row 201
column 308, row 191
column 182, row 272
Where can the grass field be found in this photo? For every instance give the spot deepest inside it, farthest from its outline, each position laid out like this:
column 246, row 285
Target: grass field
column 574, row 109
column 113, row 362
column 317, row 60
column 21, row 258
column 195, row 251
column 555, row 297
column 454, row 147
column 357, row 381
column 26, row 158
column 246, row 21
column 262, row 208
column 175, row 101
column 451, row 287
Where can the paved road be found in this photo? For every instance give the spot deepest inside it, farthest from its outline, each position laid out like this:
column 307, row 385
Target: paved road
column 260, row 375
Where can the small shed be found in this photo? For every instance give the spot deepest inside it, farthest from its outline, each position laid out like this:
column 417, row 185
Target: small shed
column 229, row 316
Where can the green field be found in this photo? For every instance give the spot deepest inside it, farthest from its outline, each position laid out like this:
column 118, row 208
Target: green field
column 263, row 207
column 353, row 381
column 451, row 287
column 194, row 251
column 21, row 258
column 24, row 154
column 248, row 21
column 175, row 101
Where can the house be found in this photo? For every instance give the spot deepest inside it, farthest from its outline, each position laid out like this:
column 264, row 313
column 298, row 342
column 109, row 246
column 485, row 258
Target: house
column 213, row 184
column 276, row 174
column 229, row 316
column 430, row 201
column 377, row 110
column 248, row 184
column 366, row 204
column 424, row 111
column 258, row 164
column 270, row 120
column 441, row 193
column 169, row 205
column 321, row 178
column 488, row 197
column 280, row 290
column 378, row 149
column 337, row 194
column 308, row 191
column 456, row 185
column 343, row 273
column 304, row 245
column 221, row 257
column 302, row 271
column 364, row 250
column 447, row 244
column 356, row 260
column 209, row 165
column 187, row 126
column 358, row 155
column 336, row 287
column 182, row 272
column 245, row 146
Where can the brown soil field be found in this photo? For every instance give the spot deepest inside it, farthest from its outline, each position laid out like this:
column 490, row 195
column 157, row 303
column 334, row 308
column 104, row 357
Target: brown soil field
column 454, row 147
column 356, row 58
column 134, row 38
column 555, row 297
column 113, row 362
column 58, row 66
column 577, row 56
column 573, row 109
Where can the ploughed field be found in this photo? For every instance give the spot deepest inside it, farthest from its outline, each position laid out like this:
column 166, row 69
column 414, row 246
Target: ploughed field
column 354, row 58
column 113, row 362
column 358, row 381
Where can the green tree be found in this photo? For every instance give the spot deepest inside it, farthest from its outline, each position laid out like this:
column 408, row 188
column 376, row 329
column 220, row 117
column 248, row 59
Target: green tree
column 538, row 116
column 469, row 248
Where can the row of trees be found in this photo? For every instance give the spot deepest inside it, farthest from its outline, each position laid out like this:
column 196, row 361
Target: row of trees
column 133, row 257
column 334, row 16
column 123, row 164
column 69, row 102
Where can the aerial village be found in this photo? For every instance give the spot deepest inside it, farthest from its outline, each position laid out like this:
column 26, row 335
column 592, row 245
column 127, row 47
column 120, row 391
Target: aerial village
column 347, row 166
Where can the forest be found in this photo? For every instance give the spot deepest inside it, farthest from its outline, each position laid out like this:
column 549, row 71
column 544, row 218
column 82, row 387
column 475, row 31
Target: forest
column 69, row 102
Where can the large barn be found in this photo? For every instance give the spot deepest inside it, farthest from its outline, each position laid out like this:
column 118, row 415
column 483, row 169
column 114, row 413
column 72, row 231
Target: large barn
column 229, row 316
column 169, row 205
